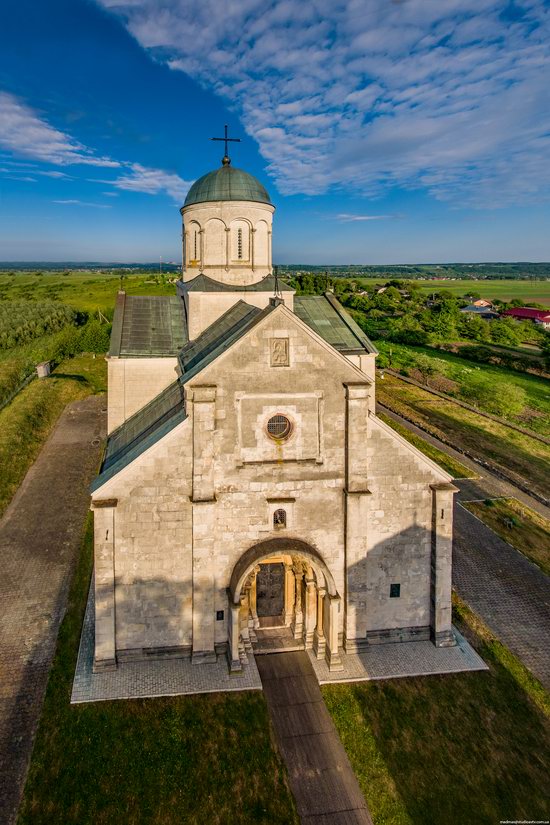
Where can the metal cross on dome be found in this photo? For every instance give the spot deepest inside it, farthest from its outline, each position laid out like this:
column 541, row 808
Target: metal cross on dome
column 226, row 160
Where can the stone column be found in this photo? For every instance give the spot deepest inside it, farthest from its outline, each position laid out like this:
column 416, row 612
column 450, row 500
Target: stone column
column 298, row 615
column 269, row 255
column 319, row 635
column 253, row 598
column 227, row 249
column 252, row 233
column 204, row 607
column 441, row 567
column 311, row 613
column 357, row 496
column 104, row 584
column 235, row 665
column 204, row 424
column 332, row 654
column 290, row 593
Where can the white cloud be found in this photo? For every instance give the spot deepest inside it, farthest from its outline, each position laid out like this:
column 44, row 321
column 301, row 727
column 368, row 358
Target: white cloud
column 74, row 202
column 24, row 133
column 139, row 178
column 345, row 218
column 451, row 96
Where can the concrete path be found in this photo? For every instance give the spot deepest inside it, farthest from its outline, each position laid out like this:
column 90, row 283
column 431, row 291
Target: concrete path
column 511, row 594
column 40, row 535
column 321, row 777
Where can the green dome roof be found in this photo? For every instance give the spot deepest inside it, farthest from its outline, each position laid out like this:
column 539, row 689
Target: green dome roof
column 227, row 184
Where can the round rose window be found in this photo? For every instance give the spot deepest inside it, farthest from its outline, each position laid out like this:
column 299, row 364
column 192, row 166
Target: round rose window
column 279, row 427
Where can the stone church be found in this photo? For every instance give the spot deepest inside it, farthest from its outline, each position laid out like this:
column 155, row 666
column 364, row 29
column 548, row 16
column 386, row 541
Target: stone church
column 247, row 484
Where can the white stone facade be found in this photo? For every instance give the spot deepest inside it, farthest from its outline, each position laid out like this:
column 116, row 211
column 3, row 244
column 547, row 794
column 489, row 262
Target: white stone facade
column 173, row 526
column 353, row 522
column 230, row 241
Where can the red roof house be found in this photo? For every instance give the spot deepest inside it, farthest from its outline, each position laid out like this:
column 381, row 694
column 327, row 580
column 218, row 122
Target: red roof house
column 538, row 316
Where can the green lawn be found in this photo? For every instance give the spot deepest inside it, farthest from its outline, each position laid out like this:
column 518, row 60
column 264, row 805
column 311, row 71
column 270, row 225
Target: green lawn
column 517, row 524
column 455, row 468
column 537, row 390
column 198, row 760
column 28, row 420
column 519, row 456
column 439, row 750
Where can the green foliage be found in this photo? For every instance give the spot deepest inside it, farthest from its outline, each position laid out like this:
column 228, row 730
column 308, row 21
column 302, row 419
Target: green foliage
column 22, row 321
column 95, row 337
column 496, row 397
column 505, row 331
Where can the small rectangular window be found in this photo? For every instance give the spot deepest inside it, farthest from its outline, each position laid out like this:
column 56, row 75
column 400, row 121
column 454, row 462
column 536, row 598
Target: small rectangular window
column 219, row 615
column 395, row 591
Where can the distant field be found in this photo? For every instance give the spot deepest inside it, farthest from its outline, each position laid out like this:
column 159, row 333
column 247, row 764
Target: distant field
column 91, row 291
column 538, row 291
column 82, row 290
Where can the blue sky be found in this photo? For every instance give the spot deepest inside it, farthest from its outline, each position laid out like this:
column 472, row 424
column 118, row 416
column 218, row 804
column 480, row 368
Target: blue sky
column 386, row 131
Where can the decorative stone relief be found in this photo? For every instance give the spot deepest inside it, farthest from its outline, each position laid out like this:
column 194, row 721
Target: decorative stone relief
column 280, row 352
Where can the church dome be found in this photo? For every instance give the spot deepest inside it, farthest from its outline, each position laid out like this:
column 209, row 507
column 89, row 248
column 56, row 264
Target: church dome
column 227, row 184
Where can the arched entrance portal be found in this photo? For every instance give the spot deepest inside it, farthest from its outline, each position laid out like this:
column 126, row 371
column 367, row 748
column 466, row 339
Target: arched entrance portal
column 283, row 583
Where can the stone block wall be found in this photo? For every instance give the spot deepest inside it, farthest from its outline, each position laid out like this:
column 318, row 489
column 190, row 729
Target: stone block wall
column 133, row 382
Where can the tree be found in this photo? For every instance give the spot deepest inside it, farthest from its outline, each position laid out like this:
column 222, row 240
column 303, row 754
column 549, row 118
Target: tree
column 425, row 366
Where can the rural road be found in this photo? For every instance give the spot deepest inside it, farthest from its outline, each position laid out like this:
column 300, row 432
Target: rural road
column 40, row 536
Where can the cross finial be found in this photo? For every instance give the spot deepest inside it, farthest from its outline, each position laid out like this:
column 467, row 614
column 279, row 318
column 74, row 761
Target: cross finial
column 226, row 160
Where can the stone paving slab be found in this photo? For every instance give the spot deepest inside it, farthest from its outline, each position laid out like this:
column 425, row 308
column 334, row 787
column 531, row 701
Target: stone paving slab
column 394, row 661
column 509, row 592
column 40, row 536
column 156, row 677
column 320, row 774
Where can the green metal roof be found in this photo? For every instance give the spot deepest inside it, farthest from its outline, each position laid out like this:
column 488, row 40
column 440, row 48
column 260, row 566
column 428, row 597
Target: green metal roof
column 202, row 283
column 327, row 317
column 141, row 431
column 227, row 184
column 148, row 325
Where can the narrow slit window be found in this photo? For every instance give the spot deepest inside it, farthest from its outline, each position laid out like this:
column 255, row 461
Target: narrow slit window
column 240, row 244
column 195, row 251
column 395, row 591
column 279, row 518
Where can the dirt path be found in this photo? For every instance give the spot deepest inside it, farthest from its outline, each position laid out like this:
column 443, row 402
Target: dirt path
column 40, row 535
column 321, row 778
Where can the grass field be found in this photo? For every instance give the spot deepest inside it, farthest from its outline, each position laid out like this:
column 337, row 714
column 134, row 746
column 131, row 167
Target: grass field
column 84, row 291
column 520, row 457
column 467, row 748
column 92, row 291
column 26, row 423
column 506, row 290
column 195, row 760
column 536, row 417
column 446, row 462
column 517, row 524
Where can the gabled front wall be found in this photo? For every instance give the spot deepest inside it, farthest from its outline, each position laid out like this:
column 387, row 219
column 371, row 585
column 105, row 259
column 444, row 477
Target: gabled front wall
column 194, row 503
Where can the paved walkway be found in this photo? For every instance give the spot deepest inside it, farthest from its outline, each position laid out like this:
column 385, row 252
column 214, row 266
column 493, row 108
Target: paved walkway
column 321, row 777
column 40, row 535
column 509, row 592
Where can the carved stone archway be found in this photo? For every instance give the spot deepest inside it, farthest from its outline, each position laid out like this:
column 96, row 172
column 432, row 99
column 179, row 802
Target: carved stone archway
column 312, row 602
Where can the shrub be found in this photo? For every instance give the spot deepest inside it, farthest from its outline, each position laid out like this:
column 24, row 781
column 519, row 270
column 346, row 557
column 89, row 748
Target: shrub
column 95, row 337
